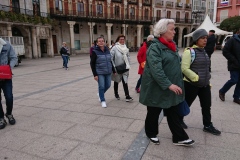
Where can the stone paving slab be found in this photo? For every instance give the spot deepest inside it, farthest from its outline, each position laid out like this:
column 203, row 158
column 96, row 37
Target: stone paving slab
column 59, row 117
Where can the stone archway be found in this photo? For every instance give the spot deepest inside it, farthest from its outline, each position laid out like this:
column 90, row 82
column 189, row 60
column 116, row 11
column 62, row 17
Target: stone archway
column 24, row 32
column 176, row 35
column 184, row 40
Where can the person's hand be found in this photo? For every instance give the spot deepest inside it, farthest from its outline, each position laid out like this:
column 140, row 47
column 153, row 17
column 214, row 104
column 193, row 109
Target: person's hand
column 96, row 78
column 177, row 90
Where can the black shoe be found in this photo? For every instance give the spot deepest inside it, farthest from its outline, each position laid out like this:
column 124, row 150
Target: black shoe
column 212, row 130
column 236, row 101
column 3, row 123
column 155, row 140
column 222, row 96
column 11, row 119
column 128, row 98
column 188, row 142
column 184, row 126
column 117, row 96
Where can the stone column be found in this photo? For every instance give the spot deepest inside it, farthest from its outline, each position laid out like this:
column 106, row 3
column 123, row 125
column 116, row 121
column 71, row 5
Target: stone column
column 9, row 30
column 50, row 44
column 34, row 43
column 180, row 42
column 109, row 25
column 91, row 24
column 139, row 28
column 125, row 26
column 151, row 29
column 39, row 55
column 71, row 23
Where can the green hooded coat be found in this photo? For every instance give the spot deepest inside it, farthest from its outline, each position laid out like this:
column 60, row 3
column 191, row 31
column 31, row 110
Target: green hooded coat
column 162, row 68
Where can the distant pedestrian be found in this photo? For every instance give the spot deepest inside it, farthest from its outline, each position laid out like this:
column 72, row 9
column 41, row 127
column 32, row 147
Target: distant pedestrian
column 102, row 68
column 120, row 59
column 162, row 84
column 231, row 52
column 197, row 79
column 65, row 55
column 7, row 57
column 211, row 45
column 92, row 47
column 141, row 57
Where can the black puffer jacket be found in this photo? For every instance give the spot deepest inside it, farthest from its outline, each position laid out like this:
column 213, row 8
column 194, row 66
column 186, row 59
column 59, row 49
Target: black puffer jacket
column 231, row 52
column 211, row 42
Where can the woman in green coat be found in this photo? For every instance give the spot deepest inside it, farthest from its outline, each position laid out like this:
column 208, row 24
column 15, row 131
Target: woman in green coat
column 162, row 84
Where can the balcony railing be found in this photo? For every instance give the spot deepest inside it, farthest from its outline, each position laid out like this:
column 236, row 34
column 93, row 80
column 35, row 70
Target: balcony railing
column 179, row 5
column 159, row 4
column 169, row 4
column 146, row 2
column 188, row 6
column 22, row 11
column 177, row 20
column 132, row 1
column 119, row 1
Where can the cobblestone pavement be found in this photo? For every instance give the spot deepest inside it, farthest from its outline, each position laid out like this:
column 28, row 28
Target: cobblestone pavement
column 59, row 117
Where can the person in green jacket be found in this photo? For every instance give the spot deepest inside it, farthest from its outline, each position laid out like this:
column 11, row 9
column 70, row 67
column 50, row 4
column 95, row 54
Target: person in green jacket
column 162, row 84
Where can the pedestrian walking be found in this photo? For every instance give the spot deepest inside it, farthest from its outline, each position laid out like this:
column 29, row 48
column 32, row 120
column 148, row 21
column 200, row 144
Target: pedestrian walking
column 65, row 55
column 121, row 62
column 162, row 84
column 7, row 58
column 141, row 57
column 231, row 52
column 102, row 68
column 211, row 45
column 197, row 78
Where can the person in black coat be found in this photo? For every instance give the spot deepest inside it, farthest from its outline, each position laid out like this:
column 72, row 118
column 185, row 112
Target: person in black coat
column 232, row 54
column 65, row 55
column 210, row 46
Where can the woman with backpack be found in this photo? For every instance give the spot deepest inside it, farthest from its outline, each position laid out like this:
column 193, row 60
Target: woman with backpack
column 197, row 78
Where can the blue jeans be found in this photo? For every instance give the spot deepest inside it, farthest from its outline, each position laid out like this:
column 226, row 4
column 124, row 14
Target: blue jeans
column 65, row 61
column 234, row 79
column 6, row 87
column 104, row 82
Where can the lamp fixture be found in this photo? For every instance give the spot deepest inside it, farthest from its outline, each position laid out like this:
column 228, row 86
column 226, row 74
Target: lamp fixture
column 117, row 28
column 81, row 26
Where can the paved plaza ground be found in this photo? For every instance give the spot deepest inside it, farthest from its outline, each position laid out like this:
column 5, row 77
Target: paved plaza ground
column 59, row 117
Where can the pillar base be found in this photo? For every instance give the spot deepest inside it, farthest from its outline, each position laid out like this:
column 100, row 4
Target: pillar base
column 72, row 51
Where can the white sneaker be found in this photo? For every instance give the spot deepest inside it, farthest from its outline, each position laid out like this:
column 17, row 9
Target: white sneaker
column 103, row 103
column 98, row 97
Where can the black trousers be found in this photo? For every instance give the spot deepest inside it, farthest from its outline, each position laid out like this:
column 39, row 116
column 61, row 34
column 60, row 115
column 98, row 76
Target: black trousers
column 210, row 55
column 204, row 94
column 125, row 87
column 151, row 123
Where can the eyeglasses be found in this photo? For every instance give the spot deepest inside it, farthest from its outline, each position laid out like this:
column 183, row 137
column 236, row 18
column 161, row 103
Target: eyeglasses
column 121, row 39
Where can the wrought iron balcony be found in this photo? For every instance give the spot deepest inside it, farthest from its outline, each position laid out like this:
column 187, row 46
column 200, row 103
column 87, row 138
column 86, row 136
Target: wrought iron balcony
column 159, row 4
column 119, row 1
column 22, row 11
column 132, row 1
column 179, row 5
column 188, row 6
column 147, row 2
column 169, row 4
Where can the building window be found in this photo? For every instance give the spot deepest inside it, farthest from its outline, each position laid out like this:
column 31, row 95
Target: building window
column 146, row 14
column 58, row 5
column 76, row 28
column 132, row 12
column 99, row 10
column 77, row 45
column 178, row 17
column 187, row 20
column 168, row 14
column 80, row 7
column 15, row 6
column 117, row 11
column 158, row 15
column 36, row 7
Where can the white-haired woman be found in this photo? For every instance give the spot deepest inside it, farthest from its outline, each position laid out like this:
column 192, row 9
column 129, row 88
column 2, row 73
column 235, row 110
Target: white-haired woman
column 162, row 84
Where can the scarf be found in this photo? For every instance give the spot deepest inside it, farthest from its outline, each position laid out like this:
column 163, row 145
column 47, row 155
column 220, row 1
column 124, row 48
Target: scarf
column 170, row 44
column 124, row 50
column 2, row 42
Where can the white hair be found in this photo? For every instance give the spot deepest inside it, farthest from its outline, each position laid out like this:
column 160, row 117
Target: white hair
column 150, row 37
column 161, row 26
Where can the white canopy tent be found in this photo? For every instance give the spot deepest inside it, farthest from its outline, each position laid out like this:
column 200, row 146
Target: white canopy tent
column 208, row 25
